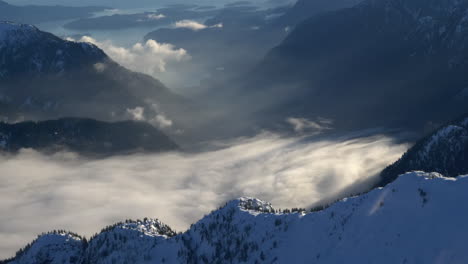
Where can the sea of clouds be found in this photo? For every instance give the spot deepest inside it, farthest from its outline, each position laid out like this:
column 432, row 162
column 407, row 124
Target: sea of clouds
column 40, row 193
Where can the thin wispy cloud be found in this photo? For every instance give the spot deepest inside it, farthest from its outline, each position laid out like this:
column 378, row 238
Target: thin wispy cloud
column 194, row 25
column 301, row 125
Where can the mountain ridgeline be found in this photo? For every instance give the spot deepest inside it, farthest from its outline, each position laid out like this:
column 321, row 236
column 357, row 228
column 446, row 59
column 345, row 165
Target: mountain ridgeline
column 84, row 136
column 389, row 225
column 379, row 63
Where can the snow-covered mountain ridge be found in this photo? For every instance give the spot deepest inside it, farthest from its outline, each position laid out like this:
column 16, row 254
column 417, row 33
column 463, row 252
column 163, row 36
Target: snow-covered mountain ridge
column 408, row 221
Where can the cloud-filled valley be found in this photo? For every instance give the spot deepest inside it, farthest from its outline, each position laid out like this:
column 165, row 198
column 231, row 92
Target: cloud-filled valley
column 64, row 191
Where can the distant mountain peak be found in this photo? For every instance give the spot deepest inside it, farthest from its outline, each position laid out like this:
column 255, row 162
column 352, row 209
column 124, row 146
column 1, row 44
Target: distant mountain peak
column 147, row 227
column 25, row 50
column 9, row 25
column 19, row 30
column 253, row 204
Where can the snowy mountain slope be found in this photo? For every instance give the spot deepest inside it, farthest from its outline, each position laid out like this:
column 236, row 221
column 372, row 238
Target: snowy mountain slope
column 55, row 248
column 416, row 219
column 445, row 151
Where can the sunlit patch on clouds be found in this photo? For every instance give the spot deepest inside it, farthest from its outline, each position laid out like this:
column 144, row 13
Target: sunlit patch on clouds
column 151, row 57
column 194, row 25
column 41, row 193
column 159, row 120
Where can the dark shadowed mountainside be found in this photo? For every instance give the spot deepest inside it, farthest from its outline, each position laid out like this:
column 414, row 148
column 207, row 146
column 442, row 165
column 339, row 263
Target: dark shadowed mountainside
column 45, row 77
column 380, row 63
column 305, row 9
column 444, row 151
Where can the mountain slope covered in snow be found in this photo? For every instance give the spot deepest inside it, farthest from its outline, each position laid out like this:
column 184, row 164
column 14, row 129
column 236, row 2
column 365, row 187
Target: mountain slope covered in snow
column 416, row 219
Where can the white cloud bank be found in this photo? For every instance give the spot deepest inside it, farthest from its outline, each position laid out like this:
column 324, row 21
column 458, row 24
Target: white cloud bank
column 194, row 25
column 41, row 193
column 151, row 57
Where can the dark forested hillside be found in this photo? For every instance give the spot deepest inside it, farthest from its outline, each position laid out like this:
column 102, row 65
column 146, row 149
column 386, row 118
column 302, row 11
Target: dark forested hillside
column 85, row 136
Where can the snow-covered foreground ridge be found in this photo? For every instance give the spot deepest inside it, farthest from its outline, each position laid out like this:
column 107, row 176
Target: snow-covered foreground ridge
column 419, row 218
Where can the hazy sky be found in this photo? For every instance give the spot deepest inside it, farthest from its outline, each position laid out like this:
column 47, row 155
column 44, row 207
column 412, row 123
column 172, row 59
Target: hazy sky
column 139, row 3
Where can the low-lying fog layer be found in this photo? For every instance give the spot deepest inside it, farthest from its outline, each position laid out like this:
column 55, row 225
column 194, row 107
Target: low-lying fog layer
column 41, row 193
